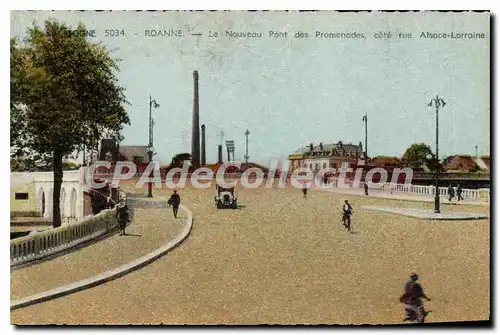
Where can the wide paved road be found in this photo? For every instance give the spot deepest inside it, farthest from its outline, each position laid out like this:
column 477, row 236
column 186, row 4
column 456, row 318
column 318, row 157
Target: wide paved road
column 282, row 259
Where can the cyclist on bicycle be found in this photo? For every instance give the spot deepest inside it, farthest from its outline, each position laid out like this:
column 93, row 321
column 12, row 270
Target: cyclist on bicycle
column 347, row 212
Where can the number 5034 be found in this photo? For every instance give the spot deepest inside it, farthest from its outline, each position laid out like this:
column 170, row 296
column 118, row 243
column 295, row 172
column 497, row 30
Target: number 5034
column 114, row 32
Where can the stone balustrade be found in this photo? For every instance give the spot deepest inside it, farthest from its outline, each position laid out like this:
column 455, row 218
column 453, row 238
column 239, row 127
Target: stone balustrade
column 39, row 245
column 430, row 190
column 479, row 194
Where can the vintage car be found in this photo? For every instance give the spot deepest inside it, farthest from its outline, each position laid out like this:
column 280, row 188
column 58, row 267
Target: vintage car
column 225, row 197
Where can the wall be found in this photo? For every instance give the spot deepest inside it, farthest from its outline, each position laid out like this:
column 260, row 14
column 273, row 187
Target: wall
column 23, row 184
column 41, row 185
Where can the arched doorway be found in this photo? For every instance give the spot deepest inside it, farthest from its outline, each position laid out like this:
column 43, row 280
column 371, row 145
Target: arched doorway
column 73, row 203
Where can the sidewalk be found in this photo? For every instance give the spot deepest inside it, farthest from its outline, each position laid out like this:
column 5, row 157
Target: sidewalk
column 428, row 214
column 152, row 226
column 398, row 196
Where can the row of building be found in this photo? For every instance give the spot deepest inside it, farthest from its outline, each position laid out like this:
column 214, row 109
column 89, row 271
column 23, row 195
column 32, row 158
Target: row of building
column 333, row 155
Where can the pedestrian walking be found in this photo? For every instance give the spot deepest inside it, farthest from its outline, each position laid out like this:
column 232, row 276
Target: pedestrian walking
column 304, row 191
column 459, row 192
column 412, row 300
column 346, row 215
column 451, row 192
column 174, row 201
column 122, row 214
column 366, row 188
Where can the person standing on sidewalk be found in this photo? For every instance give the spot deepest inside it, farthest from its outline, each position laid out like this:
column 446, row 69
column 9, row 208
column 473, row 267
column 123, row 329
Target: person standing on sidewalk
column 366, row 188
column 122, row 216
column 459, row 192
column 174, row 201
column 304, row 191
column 451, row 192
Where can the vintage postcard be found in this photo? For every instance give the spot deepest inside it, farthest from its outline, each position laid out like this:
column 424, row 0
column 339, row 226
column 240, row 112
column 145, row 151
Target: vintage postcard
column 249, row 167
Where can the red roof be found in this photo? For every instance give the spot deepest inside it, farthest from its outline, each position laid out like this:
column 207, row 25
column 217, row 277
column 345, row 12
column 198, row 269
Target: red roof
column 460, row 162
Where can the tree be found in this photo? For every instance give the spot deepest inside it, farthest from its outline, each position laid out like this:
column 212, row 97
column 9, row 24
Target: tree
column 64, row 96
column 417, row 155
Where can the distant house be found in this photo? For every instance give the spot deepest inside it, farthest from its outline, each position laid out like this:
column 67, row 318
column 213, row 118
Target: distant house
column 385, row 161
column 110, row 151
column 134, row 153
column 330, row 155
column 461, row 163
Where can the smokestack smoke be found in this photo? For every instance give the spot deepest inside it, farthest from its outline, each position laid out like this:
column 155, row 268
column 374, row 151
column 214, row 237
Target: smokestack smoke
column 195, row 141
column 203, row 153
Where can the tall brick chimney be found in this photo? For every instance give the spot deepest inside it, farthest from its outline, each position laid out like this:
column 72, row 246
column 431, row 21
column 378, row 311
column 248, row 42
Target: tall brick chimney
column 203, row 153
column 195, row 141
column 219, row 155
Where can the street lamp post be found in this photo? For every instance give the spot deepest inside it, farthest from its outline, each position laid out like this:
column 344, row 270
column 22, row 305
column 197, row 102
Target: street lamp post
column 152, row 104
column 365, row 120
column 438, row 103
column 246, row 152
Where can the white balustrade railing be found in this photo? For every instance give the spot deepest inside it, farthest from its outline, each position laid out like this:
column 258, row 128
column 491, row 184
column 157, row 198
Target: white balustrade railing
column 48, row 242
column 479, row 194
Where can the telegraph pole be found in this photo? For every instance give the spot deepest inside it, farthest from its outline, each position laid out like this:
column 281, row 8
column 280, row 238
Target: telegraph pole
column 438, row 103
column 246, row 154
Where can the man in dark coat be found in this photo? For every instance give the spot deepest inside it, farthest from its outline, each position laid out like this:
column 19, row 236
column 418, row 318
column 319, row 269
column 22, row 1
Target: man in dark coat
column 459, row 192
column 174, row 201
column 98, row 202
column 304, row 191
column 451, row 192
column 122, row 216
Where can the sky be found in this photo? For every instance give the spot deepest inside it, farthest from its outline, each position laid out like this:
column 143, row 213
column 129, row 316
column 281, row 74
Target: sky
column 289, row 92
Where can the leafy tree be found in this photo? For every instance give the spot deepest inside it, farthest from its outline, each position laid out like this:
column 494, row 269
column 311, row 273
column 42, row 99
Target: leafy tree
column 417, row 155
column 64, row 96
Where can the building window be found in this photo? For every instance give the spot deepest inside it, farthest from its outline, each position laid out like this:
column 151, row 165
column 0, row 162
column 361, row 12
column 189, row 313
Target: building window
column 21, row 196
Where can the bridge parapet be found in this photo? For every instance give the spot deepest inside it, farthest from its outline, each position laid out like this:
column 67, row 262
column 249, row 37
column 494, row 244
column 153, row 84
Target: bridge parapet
column 421, row 190
column 40, row 245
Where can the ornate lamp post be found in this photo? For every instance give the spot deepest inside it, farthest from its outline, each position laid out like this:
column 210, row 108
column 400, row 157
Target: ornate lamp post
column 151, row 152
column 152, row 104
column 438, row 103
column 246, row 152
